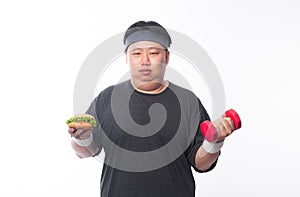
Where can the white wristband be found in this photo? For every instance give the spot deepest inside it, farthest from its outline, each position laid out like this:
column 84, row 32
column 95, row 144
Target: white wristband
column 84, row 142
column 212, row 147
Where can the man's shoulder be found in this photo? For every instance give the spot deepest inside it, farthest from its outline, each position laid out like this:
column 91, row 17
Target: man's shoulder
column 182, row 91
column 108, row 90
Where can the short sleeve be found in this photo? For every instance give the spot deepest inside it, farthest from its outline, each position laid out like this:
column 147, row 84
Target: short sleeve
column 97, row 130
column 191, row 151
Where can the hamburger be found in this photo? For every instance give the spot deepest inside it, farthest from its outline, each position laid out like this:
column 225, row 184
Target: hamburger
column 81, row 121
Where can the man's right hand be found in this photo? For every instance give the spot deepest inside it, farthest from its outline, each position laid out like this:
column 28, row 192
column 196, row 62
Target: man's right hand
column 83, row 151
column 79, row 133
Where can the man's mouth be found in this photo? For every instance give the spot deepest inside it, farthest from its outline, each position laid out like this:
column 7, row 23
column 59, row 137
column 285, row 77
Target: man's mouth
column 145, row 72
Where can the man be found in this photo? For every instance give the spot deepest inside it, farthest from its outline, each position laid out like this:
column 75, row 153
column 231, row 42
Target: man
column 144, row 114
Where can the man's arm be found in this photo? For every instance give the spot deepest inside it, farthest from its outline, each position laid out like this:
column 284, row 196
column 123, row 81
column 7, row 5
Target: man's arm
column 83, row 144
column 204, row 160
column 208, row 152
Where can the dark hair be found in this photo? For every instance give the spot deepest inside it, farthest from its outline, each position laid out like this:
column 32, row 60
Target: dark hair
column 143, row 25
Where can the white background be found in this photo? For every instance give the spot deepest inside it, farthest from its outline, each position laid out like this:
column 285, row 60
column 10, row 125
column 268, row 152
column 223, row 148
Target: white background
column 254, row 44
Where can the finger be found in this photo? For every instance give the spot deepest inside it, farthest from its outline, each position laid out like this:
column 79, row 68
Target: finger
column 221, row 131
column 225, row 129
column 74, row 131
column 77, row 133
column 71, row 130
column 82, row 133
column 229, row 124
column 221, row 134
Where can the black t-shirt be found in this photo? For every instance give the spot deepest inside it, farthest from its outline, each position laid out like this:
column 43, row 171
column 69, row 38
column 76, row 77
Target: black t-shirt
column 150, row 141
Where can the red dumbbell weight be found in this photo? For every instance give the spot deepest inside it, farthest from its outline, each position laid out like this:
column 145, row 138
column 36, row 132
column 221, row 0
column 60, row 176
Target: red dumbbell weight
column 210, row 133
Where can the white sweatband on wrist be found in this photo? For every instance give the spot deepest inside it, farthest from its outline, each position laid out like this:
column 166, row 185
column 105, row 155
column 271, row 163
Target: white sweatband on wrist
column 84, row 142
column 211, row 147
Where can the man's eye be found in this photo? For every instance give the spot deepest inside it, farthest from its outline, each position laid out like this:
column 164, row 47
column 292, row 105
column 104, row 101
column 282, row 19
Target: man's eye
column 154, row 53
column 136, row 53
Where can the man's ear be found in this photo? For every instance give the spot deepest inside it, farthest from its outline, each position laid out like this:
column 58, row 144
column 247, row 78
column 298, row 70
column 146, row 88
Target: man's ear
column 167, row 57
column 126, row 57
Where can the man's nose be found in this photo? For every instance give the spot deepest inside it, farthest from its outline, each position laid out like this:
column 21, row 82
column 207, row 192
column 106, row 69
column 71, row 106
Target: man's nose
column 145, row 59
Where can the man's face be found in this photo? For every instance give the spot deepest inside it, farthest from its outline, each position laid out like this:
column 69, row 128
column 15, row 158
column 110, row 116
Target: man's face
column 147, row 61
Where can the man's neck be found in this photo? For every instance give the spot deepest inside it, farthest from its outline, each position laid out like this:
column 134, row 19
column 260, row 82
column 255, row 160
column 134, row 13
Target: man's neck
column 151, row 87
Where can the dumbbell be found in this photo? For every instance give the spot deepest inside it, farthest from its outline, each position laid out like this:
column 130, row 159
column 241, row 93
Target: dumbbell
column 210, row 133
